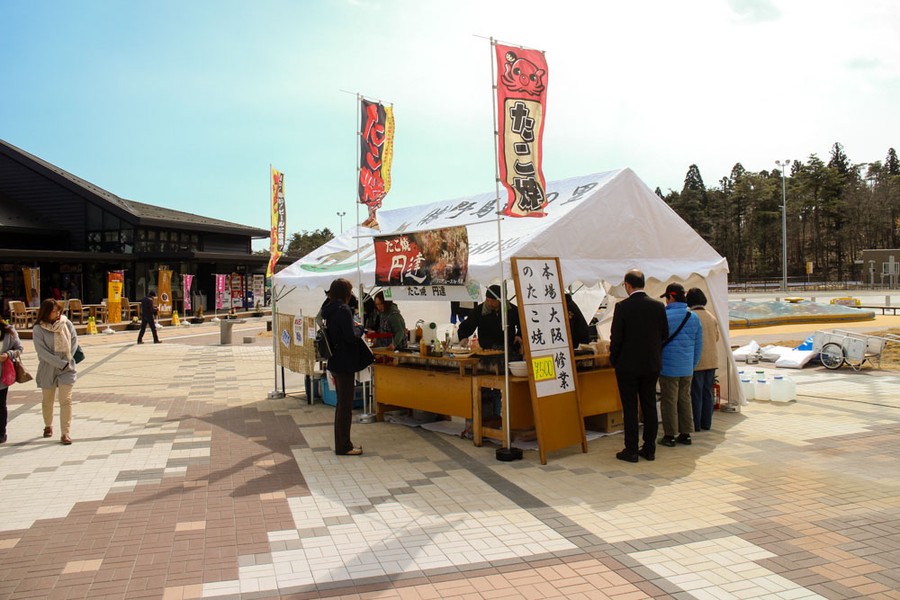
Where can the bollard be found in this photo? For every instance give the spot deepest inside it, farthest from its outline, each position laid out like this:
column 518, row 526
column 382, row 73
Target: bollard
column 225, row 326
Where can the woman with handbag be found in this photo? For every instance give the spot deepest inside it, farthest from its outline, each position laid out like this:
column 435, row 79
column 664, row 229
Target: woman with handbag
column 344, row 361
column 10, row 350
column 55, row 341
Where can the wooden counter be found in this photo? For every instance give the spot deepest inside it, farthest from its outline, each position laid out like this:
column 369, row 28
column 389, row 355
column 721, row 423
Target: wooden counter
column 451, row 385
column 597, row 389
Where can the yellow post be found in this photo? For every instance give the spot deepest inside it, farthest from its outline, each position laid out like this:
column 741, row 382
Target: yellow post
column 175, row 321
column 92, row 326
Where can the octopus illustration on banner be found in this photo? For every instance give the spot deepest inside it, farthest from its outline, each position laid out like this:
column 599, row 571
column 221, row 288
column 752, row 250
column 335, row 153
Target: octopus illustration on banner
column 376, row 151
column 521, row 107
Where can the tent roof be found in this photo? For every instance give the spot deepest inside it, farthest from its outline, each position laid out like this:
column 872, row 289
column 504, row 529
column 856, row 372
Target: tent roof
column 599, row 225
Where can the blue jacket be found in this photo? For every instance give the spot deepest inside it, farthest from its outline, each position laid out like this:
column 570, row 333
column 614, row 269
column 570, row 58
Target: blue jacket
column 682, row 353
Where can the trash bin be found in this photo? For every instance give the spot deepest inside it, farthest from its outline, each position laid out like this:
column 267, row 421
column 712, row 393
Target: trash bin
column 225, row 326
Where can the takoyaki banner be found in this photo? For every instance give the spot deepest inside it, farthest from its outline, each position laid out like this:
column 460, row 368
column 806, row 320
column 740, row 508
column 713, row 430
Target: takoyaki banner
column 521, row 106
column 430, row 264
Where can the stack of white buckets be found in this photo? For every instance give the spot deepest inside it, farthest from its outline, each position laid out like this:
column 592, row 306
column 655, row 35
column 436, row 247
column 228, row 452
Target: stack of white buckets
column 756, row 385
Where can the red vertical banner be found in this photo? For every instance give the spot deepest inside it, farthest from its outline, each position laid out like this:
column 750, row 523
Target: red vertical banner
column 521, row 108
column 277, row 238
column 220, row 291
column 376, row 153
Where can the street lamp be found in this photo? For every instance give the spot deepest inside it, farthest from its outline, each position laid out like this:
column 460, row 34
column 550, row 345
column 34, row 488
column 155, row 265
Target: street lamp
column 783, row 165
column 341, row 215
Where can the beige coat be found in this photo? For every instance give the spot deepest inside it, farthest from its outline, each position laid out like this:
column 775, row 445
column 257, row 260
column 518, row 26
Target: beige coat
column 709, row 357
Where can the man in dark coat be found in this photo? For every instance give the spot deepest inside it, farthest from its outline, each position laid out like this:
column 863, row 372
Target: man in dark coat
column 487, row 319
column 639, row 328
column 148, row 317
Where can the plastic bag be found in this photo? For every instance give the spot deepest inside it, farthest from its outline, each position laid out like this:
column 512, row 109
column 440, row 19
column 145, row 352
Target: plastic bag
column 8, row 376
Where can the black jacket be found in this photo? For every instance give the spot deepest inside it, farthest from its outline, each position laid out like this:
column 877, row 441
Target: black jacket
column 148, row 311
column 639, row 328
column 490, row 327
column 341, row 335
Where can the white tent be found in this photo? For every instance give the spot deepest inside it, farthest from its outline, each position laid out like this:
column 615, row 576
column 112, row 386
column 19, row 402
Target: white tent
column 599, row 226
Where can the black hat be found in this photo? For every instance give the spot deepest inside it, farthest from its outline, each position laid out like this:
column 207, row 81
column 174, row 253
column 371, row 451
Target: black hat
column 494, row 292
column 674, row 290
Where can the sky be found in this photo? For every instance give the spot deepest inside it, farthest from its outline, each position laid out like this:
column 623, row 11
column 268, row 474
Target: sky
column 185, row 103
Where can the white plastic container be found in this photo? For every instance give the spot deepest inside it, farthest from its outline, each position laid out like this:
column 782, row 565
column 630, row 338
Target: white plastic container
column 748, row 388
column 783, row 389
column 761, row 390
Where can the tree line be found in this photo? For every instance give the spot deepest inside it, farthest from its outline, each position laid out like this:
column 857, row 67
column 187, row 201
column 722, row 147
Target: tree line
column 834, row 211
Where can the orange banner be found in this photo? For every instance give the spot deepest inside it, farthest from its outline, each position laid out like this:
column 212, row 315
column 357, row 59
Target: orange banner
column 164, row 292
column 115, row 283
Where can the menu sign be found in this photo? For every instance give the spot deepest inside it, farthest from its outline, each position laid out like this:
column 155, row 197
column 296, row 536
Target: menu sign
column 542, row 303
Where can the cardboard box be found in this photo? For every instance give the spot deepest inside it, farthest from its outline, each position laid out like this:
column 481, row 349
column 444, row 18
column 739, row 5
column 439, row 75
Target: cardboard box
column 606, row 423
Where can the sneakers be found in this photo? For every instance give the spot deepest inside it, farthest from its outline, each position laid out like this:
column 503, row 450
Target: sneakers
column 627, row 456
column 668, row 440
column 48, row 431
column 684, row 438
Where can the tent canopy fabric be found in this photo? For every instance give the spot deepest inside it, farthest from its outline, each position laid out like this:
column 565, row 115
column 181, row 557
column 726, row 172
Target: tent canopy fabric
column 600, row 226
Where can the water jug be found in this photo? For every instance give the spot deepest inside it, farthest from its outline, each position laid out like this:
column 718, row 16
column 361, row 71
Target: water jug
column 748, row 388
column 783, row 389
column 761, row 390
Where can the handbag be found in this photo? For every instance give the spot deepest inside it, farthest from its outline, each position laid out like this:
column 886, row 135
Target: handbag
column 8, row 375
column 22, row 375
column 364, row 356
column 78, row 356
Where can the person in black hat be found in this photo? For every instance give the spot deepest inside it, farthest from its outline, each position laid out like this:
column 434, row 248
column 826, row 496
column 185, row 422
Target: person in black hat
column 681, row 353
column 148, row 317
column 487, row 320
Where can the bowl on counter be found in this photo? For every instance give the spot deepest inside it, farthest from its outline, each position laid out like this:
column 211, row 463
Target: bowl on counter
column 518, row 368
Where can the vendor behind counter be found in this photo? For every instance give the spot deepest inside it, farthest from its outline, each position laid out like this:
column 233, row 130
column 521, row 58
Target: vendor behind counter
column 487, row 321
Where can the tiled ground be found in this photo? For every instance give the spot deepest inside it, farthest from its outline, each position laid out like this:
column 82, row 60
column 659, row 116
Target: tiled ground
column 186, row 481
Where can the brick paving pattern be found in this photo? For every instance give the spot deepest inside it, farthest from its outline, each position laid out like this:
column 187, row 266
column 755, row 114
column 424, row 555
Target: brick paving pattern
column 186, row 481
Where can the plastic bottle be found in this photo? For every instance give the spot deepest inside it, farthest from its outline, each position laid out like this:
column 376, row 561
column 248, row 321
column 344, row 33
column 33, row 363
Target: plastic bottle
column 748, row 388
column 419, row 332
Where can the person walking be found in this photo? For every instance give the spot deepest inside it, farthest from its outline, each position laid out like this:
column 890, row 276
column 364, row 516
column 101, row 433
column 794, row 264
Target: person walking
column 680, row 355
column 55, row 341
column 10, row 349
column 639, row 327
column 705, row 372
column 148, row 317
column 341, row 333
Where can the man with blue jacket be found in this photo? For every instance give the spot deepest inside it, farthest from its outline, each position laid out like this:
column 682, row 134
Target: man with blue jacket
column 681, row 353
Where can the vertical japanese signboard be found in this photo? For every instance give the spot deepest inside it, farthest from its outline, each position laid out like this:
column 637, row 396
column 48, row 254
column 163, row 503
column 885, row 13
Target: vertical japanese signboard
column 521, row 107
column 548, row 354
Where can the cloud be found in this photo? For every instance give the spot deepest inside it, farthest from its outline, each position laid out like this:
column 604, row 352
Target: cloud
column 755, row 11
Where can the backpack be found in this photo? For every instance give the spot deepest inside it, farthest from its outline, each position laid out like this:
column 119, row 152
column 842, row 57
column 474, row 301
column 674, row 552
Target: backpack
column 323, row 346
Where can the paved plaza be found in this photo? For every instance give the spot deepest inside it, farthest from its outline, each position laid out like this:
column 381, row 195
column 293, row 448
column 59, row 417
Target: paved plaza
column 185, row 481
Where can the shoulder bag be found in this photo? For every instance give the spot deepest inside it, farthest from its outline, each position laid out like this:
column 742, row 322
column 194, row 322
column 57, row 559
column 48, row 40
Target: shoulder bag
column 677, row 331
column 22, row 375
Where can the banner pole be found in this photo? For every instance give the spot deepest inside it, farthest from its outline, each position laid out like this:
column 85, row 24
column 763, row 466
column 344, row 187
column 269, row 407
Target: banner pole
column 507, row 452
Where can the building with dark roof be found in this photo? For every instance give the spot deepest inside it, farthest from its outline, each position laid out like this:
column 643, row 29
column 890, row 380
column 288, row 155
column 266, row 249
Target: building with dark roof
column 76, row 232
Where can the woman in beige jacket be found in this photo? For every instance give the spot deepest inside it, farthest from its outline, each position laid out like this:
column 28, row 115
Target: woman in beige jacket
column 705, row 371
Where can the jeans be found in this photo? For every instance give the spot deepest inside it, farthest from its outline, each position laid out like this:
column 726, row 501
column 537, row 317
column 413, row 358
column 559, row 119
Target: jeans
column 702, row 398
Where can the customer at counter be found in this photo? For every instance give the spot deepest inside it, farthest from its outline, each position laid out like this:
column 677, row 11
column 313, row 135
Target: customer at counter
column 487, row 320
column 387, row 327
column 581, row 333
